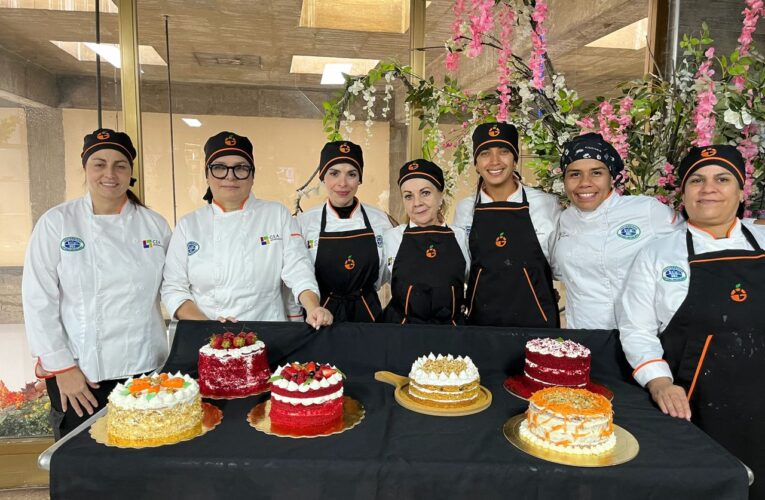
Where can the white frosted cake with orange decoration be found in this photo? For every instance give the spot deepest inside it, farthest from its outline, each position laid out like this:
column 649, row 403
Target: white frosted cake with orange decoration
column 574, row 421
column 152, row 410
column 444, row 381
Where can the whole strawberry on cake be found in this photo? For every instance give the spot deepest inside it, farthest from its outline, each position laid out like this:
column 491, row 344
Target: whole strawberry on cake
column 306, row 397
column 233, row 366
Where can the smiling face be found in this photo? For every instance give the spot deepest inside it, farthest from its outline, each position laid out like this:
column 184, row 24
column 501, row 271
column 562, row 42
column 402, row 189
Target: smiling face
column 107, row 174
column 422, row 200
column 230, row 192
column 496, row 165
column 711, row 196
column 587, row 183
column 342, row 182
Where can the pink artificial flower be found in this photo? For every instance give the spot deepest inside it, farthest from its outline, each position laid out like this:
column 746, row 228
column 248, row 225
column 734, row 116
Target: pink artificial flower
column 586, row 124
column 452, row 61
column 538, row 44
column 703, row 115
column 661, row 181
column 668, row 168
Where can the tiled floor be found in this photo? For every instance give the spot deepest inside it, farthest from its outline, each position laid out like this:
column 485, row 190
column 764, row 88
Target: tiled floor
column 25, row 494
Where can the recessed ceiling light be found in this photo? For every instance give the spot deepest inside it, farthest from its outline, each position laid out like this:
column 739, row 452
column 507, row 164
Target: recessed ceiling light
column 192, row 122
column 380, row 16
column 106, row 6
column 315, row 65
column 110, row 52
column 633, row 37
column 333, row 74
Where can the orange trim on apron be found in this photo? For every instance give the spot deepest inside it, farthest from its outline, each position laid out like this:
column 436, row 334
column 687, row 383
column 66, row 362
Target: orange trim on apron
column 698, row 367
column 326, row 302
column 752, row 257
column 544, row 316
column 406, row 304
column 371, row 233
column 372, row 317
column 475, row 287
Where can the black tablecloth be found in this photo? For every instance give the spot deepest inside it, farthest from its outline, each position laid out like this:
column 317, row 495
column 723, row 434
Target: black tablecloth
column 395, row 453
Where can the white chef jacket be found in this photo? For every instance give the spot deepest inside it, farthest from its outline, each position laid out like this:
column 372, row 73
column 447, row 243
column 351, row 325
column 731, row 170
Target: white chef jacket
column 657, row 286
column 90, row 290
column 593, row 252
column 234, row 263
column 544, row 210
column 310, row 226
column 392, row 241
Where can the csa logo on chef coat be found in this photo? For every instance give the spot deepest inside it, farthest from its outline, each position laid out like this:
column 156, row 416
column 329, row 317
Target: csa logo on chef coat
column 268, row 239
column 310, row 244
column 192, row 247
column 72, row 244
column 151, row 243
column 628, row 232
column 673, row 273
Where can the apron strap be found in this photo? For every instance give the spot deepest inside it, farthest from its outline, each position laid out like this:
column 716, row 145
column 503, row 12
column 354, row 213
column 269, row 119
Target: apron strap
column 750, row 238
column 364, row 214
column 689, row 245
column 523, row 193
column 323, row 218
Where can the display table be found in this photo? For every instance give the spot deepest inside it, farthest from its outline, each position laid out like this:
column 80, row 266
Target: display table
column 395, row 453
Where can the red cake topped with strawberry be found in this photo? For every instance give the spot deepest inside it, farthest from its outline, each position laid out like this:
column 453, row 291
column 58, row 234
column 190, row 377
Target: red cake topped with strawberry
column 233, row 365
column 306, row 396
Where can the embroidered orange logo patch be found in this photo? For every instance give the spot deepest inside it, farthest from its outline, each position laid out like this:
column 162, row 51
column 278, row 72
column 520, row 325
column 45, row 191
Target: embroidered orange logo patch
column 707, row 152
column 494, row 131
column 738, row 294
column 344, row 148
column 501, row 240
column 431, row 252
column 230, row 141
column 103, row 135
column 350, row 263
column 413, row 166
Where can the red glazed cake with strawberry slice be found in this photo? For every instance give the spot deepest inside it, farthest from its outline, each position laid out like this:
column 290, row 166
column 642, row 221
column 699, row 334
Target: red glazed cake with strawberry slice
column 233, row 366
column 306, row 397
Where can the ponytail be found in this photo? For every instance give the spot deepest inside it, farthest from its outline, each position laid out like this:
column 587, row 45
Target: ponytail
column 135, row 200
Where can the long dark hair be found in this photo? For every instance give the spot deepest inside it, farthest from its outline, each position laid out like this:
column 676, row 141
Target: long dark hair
column 134, row 199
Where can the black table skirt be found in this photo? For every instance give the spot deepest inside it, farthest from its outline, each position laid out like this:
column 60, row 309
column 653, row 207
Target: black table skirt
column 395, row 453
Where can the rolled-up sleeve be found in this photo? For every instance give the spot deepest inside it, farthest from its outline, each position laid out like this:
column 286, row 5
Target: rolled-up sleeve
column 176, row 288
column 41, row 297
column 297, row 270
column 639, row 324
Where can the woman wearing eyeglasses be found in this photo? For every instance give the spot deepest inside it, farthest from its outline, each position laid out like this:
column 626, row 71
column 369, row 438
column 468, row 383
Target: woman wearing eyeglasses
column 227, row 261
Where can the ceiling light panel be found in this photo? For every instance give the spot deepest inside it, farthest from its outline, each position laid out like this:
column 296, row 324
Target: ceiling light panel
column 380, row 16
column 86, row 51
column 314, row 65
column 106, row 6
column 633, row 36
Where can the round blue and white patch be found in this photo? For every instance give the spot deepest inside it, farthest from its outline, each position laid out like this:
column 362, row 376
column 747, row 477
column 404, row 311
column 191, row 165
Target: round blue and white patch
column 192, row 247
column 628, row 232
column 72, row 244
column 674, row 273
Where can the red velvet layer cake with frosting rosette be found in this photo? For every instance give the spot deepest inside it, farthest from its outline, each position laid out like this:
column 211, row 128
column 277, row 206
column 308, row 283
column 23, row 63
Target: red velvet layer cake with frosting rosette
column 554, row 363
column 233, row 366
column 306, row 397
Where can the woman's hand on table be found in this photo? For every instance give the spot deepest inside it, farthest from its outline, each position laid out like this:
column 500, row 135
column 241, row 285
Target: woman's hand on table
column 671, row 398
column 74, row 389
column 231, row 319
column 318, row 317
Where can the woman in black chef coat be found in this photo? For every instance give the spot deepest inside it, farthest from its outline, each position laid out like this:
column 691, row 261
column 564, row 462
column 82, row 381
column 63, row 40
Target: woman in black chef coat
column 426, row 260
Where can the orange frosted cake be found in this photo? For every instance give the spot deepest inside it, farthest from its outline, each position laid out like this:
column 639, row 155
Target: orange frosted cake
column 154, row 410
column 444, row 381
column 569, row 420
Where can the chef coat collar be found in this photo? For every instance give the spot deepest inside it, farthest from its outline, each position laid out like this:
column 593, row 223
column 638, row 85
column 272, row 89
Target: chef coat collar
column 127, row 207
column 246, row 205
column 734, row 231
column 610, row 200
column 516, row 197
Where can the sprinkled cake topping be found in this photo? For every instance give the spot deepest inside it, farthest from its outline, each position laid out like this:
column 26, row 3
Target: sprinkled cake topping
column 564, row 401
column 558, row 347
column 443, row 370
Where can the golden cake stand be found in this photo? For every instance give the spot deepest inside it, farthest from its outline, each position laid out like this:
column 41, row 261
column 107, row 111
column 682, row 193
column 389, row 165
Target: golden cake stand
column 211, row 417
column 353, row 413
column 625, row 450
column 405, row 399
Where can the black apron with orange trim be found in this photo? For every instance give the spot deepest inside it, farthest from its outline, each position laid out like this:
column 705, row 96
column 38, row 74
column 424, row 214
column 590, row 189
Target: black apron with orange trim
column 510, row 279
column 428, row 278
column 347, row 267
column 715, row 347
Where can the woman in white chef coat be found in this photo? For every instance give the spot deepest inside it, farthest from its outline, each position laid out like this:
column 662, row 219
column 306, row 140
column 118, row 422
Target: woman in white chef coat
column 691, row 313
column 600, row 233
column 344, row 238
column 510, row 228
column 90, row 287
column 427, row 261
column 228, row 260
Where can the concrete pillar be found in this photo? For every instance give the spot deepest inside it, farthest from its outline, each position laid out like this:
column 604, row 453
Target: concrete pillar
column 45, row 147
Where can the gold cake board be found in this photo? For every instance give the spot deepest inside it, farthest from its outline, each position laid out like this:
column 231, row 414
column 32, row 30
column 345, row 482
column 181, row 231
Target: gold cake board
column 211, row 417
column 626, row 448
column 353, row 414
column 405, row 399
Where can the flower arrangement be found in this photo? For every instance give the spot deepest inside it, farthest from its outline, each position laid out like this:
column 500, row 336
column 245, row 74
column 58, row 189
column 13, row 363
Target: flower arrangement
column 707, row 98
column 24, row 413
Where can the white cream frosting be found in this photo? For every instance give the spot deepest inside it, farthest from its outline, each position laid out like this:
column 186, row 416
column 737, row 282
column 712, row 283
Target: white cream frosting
column 422, row 377
column 559, row 349
column 595, row 449
column 314, row 385
column 526, row 374
column 163, row 399
column 308, row 401
column 237, row 352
